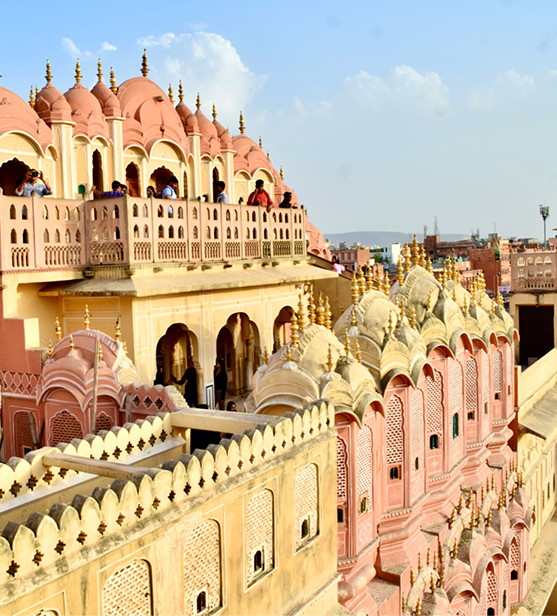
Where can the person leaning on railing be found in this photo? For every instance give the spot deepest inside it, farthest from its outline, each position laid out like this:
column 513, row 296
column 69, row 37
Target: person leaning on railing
column 30, row 184
column 260, row 196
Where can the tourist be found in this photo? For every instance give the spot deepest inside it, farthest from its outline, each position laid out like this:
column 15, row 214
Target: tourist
column 286, row 200
column 222, row 197
column 221, row 381
column 109, row 194
column 169, row 191
column 31, row 184
column 337, row 266
column 231, row 406
column 260, row 196
column 151, row 192
column 189, row 380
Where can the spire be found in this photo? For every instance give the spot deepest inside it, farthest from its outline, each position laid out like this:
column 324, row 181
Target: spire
column 265, row 356
column 113, row 81
column 86, row 318
column 415, row 251
column 301, row 313
column 294, row 328
column 77, row 71
column 328, row 314
column 330, row 360
column 117, row 333
column 355, row 288
column 400, row 272
column 357, row 351
column 144, row 64
column 281, row 173
column 361, row 281
column 429, row 266
column 320, row 310
column 99, row 70
column 198, row 102
column 311, row 308
column 346, row 342
column 36, row 92
column 422, row 262
column 71, row 343
column 260, row 142
column 170, row 93
column 181, row 92
column 406, row 254
column 242, row 125
column 58, row 329
column 32, row 98
column 50, row 348
column 386, row 284
column 268, row 155
column 214, row 113
column 48, row 73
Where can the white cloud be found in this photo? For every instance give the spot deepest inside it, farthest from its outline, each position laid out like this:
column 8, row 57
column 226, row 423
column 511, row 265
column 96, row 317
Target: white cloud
column 482, row 98
column 108, row 47
column 516, row 80
column 405, row 84
column 197, row 26
column 206, row 63
column 70, row 47
column 504, row 88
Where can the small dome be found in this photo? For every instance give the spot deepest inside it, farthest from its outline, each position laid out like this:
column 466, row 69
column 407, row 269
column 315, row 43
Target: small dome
column 108, row 100
column 206, row 127
column 51, row 106
column 86, row 112
column 188, row 118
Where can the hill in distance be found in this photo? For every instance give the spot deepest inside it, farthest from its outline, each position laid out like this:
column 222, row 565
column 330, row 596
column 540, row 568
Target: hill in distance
column 382, row 238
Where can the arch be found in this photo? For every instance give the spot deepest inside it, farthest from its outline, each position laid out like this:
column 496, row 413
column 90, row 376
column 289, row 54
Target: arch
column 194, row 214
column 171, row 232
column 128, row 591
column 216, row 233
column 45, row 212
column 46, row 236
column 135, row 231
column 236, row 235
column 94, row 213
column 63, row 427
column 98, row 179
column 170, row 211
column 57, row 212
column 281, row 327
column 146, row 232
column 67, row 236
column 13, row 214
column 25, row 236
column 12, row 174
column 116, row 212
column 160, row 177
column 78, row 236
column 195, row 233
column 186, row 185
column 161, row 232
column 132, row 180
column 180, row 233
column 117, row 233
column 215, row 214
column 394, row 449
column 145, row 211
column 24, row 212
column 364, row 467
column 13, row 236
column 259, row 535
column 306, row 504
column 180, row 212
column 105, row 213
column 135, row 210
column 67, row 213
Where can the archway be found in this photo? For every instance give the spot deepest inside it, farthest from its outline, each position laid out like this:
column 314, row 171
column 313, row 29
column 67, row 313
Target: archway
column 281, row 328
column 12, row 173
column 215, row 180
column 177, row 362
column 98, row 170
column 238, row 345
column 160, row 178
column 132, row 180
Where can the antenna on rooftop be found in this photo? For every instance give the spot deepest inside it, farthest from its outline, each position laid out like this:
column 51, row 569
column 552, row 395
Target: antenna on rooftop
column 425, row 232
column 435, row 227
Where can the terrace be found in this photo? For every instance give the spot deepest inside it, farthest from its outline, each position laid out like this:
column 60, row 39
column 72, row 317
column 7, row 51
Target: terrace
column 47, row 233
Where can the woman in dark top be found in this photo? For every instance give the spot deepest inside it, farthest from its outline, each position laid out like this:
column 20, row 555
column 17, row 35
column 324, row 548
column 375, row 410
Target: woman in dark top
column 221, row 381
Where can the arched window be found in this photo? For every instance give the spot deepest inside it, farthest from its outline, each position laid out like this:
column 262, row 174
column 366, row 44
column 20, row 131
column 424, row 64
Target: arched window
column 280, row 217
column 287, row 234
column 24, row 212
column 57, row 213
column 161, row 231
column 194, row 213
column 208, row 214
column 180, row 212
column 201, row 601
column 136, row 231
column 46, row 236
column 94, row 214
column 305, row 528
column 45, row 212
column 264, row 216
column 181, row 233
column 254, row 234
column 227, row 214
column 67, row 236
column 105, row 213
column 274, row 217
column 95, row 235
column 281, row 235
column 105, row 235
column 25, row 236
column 275, row 236
column 146, row 232
column 13, row 237
column 514, row 574
column 235, row 214
column 76, row 213
column 253, row 217
column 434, row 441
column 117, row 233
column 228, row 233
column 78, row 236
column 171, row 232
column 57, row 236
column 286, row 218
column 145, row 211
column 247, row 216
column 195, row 233
column 208, row 233
column 247, row 234
column 170, row 212
column 257, row 561
column 135, row 210
column 12, row 212
column 215, row 233
column 160, row 212
column 215, row 214
column 67, row 213
column 235, row 233
column 455, row 425
column 265, row 234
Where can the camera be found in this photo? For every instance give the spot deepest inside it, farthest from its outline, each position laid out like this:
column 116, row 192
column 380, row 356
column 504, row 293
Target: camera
column 34, row 174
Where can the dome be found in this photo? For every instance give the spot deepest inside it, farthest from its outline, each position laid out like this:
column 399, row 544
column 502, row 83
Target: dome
column 17, row 116
column 206, row 127
column 109, row 102
column 86, row 112
column 51, row 106
column 188, row 118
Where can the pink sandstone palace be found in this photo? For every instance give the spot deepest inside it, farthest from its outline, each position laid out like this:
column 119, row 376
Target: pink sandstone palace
column 418, row 379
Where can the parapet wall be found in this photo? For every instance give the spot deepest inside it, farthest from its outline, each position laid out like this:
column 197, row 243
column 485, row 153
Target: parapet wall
column 45, row 539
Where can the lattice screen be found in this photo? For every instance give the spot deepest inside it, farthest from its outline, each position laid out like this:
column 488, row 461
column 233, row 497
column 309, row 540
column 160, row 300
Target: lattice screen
column 417, row 429
column 63, row 427
column 259, row 531
column 128, row 591
column 485, row 381
column 491, row 587
column 103, row 422
column 515, row 555
column 481, row 609
column 22, row 432
column 395, row 441
column 202, row 567
column 306, row 504
column 471, row 385
column 510, row 364
column 455, row 394
column 364, row 465
column 341, row 469
column 435, row 406
column 497, row 371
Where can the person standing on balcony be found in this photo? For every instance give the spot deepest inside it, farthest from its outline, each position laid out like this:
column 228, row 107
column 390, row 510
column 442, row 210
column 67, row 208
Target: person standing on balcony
column 221, row 196
column 286, row 200
column 169, row 191
column 31, row 184
column 117, row 191
column 260, row 196
column 221, row 382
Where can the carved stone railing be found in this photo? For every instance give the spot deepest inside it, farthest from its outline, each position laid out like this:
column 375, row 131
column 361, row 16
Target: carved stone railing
column 534, row 284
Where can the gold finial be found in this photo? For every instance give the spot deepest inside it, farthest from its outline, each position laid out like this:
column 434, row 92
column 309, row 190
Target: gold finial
column 48, row 73
column 32, row 98
column 501, row 502
column 456, row 273
column 180, row 92
column 330, row 360
column 243, row 126
column 500, row 301
column 454, row 294
column 301, row 313
column 36, row 92
column 407, row 262
column 260, row 142
column 400, row 272
column 265, row 356
column 441, row 554
column 435, row 560
column 214, row 113
column 170, row 94
column 369, row 279
column 412, row 577
column 442, row 577
column 50, row 348
column 357, row 351
column 288, row 353
column 443, row 277
column 419, row 562
column 413, row 321
column 328, row 314
column 488, row 519
column 99, row 70
column 452, row 518
column 125, row 347
column 377, row 279
column 311, row 308
column 422, row 261
column 391, row 324
column 320, row 310
column 100, row 351
column 117, row 333
column 144, row 64
column 281, row 173
column 427, row 558
column 473, row 518
column 465, row 305
column 71, row 343
column 429, row 266
column 493, row 308
column 294, row 330
column 418, row 611
column 386, row 284
column 469, row 498
column 113, row 85
column 493, row 482
column 355, row 288
column 361, row 281
column 429, row 303
column 198, row 102
column 77, row 71
column 432, row 583
column 353, row 321
column 455, row 548
column 268, row 155
column 58, row 329
column 460, row 504
column 403, row 604
column 415, row 251
column 346, row 342
column 86, row 319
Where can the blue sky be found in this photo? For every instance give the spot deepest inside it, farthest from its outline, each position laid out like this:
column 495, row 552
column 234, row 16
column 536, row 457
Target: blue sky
column 383, row 114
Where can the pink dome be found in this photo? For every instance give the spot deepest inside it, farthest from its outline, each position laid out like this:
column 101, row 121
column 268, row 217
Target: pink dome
column 188, row 118
column 86, row 112
column 224, row 136
column 108, row 100
column 247, row 150
column 210, row 142
column 51, row 105
column 17, row 116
